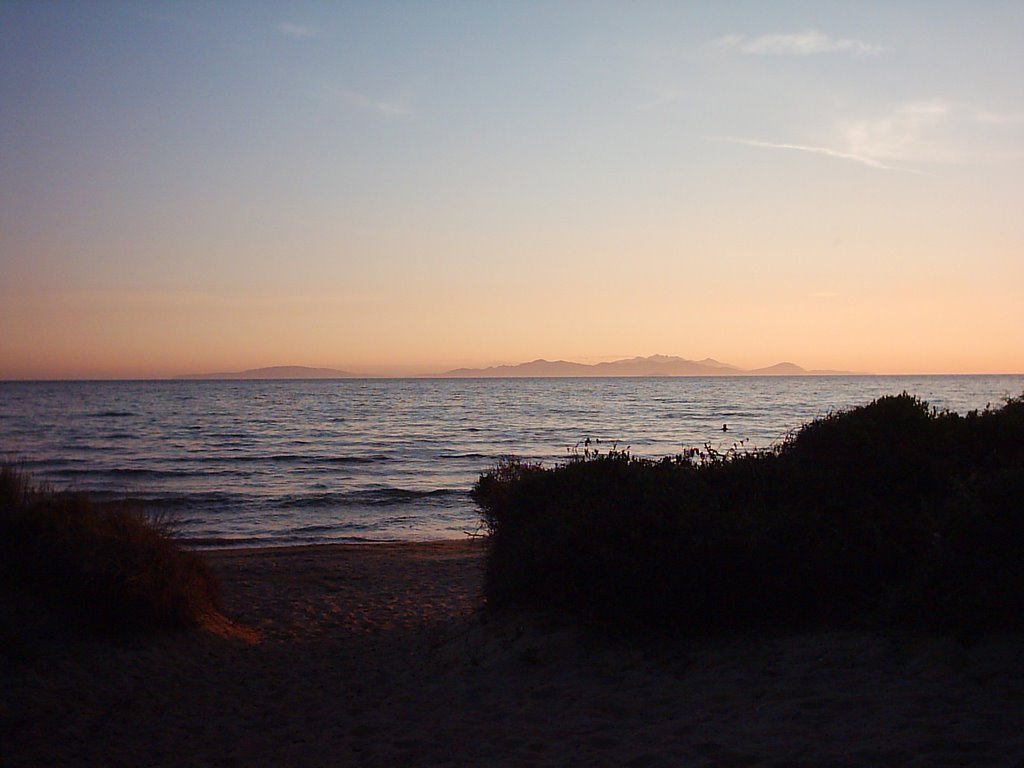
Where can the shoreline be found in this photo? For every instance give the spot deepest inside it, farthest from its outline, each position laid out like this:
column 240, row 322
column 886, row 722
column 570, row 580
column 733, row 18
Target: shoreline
column 203, row 549
column 382, row 655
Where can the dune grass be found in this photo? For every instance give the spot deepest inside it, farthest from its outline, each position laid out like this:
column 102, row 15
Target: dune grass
column 108, row 568
column 892, row 514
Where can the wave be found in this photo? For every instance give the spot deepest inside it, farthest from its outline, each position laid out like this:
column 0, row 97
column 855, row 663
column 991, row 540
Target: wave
column 231, row 502
column 379, row 497
column 299, row 458
column 238, row 542
column 354, row 459
column 225, row 542
column 47, row 462
column 137, row 472
column 307, row 529
column 392, row 495
column 70, row 472
column 204, row 501
column 296, row 537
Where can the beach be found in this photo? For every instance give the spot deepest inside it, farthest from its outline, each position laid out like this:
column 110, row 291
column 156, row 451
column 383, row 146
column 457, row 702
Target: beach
column 383, row 654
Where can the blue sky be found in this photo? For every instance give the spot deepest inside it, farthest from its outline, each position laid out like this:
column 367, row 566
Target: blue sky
column 403, row 187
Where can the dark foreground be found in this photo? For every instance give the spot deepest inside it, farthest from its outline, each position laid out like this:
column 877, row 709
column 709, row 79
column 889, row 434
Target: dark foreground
column 379, row 655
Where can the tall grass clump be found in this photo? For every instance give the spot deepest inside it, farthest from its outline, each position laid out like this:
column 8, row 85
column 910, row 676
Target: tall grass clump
column 889, row 514
column 106, row 567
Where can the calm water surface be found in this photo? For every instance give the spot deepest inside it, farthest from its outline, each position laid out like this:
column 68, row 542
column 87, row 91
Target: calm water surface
column 286, row 462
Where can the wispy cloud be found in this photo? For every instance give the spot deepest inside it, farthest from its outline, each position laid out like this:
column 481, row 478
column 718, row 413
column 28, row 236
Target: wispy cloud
column 907, row 132
column 936, row 131
column 297, row 31
column 867, row 160
column 386, row 108
column 805, row 43
column 358, row 101
column 921, row 132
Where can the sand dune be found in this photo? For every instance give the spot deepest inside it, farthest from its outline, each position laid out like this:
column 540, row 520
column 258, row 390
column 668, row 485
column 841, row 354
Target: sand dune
column 380, row 655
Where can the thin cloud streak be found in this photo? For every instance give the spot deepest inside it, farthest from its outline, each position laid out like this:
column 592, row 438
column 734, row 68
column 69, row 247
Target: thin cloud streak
column 826, row 151
column 363, row 103
column 297, row 31
column 805, row 43
column 387, row 108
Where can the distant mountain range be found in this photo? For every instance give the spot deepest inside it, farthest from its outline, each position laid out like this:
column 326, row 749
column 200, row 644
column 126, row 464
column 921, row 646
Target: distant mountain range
column 655, row 365
column 277, row 372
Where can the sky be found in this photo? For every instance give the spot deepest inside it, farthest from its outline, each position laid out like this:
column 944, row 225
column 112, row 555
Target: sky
column 405, row 187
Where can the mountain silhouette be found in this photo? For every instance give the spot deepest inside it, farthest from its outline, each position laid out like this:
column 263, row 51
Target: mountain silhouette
column 277, row 372
column 655, row 365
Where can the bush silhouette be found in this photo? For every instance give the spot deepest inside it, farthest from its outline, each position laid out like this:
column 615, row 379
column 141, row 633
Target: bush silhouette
column 889, row 514
column 107, row 567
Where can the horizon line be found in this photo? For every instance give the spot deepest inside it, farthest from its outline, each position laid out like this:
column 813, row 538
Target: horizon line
column 444, row 376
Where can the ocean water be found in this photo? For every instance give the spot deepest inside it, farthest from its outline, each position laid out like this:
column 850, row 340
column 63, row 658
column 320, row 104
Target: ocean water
column 288, row 462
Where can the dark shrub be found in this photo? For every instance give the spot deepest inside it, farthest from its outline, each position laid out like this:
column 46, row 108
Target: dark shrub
column 891, row 512
column 108, row 567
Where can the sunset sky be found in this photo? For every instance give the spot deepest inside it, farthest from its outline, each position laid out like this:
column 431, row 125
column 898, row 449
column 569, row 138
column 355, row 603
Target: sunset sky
column 409, row 187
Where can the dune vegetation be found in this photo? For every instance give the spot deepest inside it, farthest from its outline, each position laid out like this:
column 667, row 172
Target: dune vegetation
column 892, row 514
column 108, row 568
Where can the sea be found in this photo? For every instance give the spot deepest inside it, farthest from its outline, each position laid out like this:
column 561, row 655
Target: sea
column 261, row 463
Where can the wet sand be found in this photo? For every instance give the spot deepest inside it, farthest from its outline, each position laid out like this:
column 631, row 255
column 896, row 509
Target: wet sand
column 381, row 655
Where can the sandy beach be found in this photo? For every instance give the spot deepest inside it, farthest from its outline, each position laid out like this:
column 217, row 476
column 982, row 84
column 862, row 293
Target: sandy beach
column 382, row 655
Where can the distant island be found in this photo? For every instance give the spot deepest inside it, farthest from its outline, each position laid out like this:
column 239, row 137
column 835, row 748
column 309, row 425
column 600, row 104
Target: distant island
column 655, row 365
column 276, row 372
